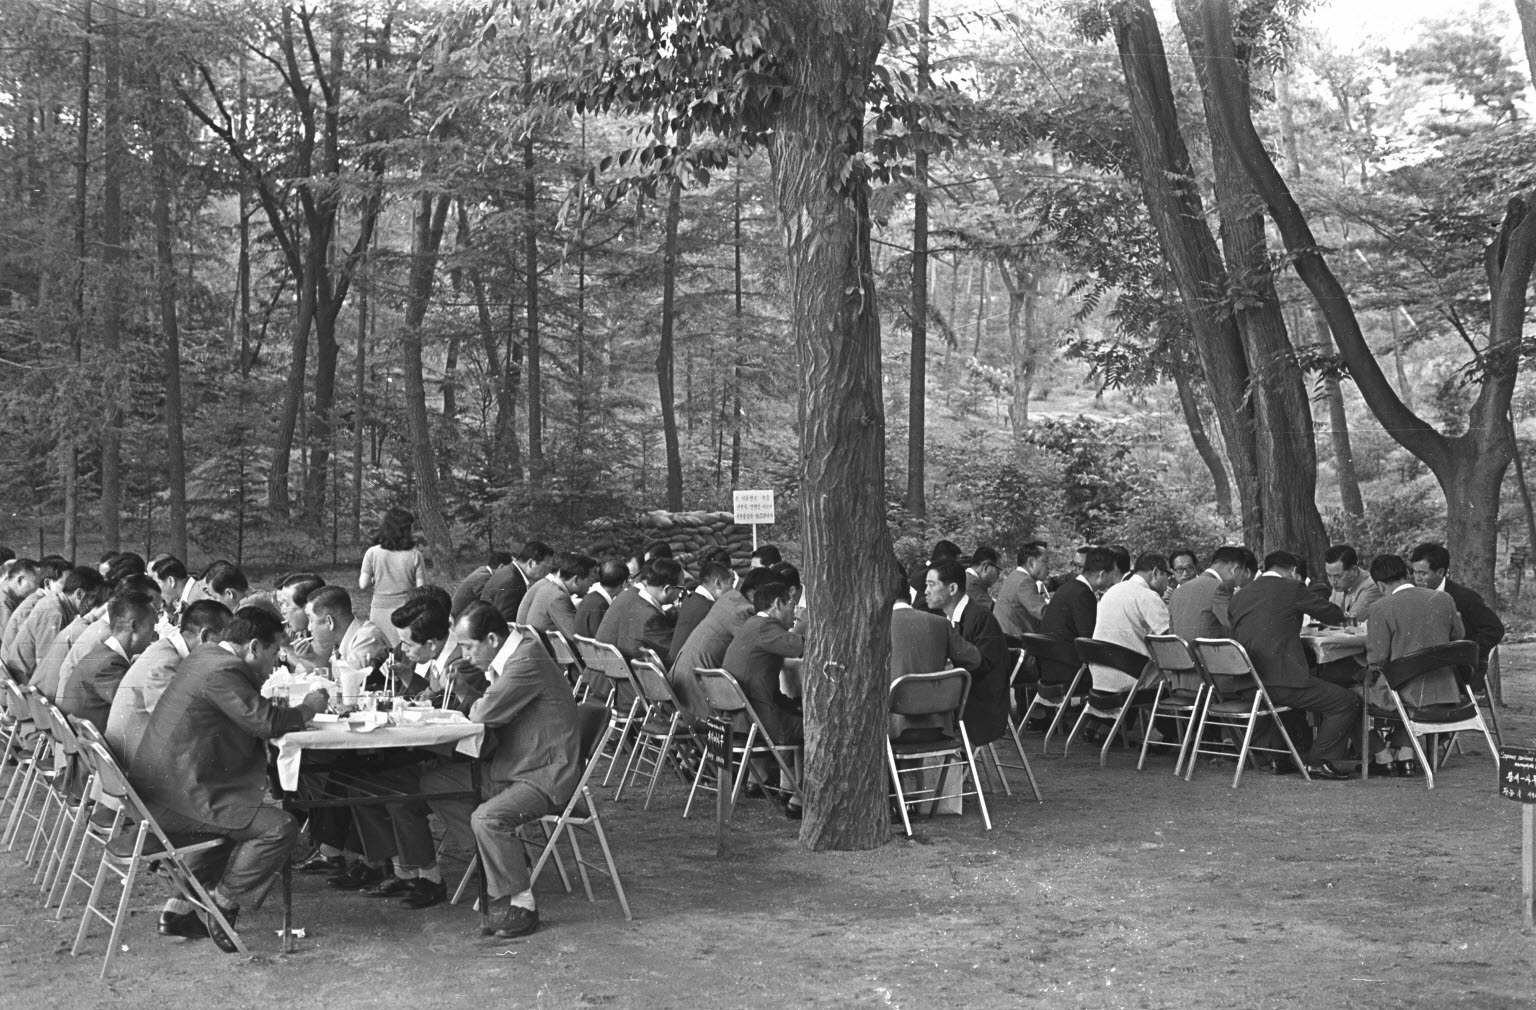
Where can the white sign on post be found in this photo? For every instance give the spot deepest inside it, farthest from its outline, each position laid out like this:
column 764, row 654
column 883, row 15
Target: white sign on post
column 754, row 508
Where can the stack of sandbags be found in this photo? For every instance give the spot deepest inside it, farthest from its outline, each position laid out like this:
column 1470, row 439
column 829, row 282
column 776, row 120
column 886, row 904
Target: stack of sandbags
column 689, row 534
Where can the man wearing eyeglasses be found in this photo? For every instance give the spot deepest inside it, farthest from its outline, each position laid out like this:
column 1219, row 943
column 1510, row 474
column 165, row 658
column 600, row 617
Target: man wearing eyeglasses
column 985, row 569
column 1353, row 591
column 639, row 617
column 1185, row 565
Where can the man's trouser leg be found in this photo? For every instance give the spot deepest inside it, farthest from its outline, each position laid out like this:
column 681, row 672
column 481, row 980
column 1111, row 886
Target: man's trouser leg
column 1337, row 710
column 495, row 824
column 248, row 868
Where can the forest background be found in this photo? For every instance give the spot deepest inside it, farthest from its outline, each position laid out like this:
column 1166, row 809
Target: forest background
column 268, row 268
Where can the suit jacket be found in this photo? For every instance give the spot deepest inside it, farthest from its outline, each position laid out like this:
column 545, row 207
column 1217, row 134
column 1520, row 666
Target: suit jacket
column 926, row 643
column 27, row 647
column 8, row 606
column 1198, row 609
column 1071, row 613
column 986, row 708
column 690, row 614
column 90, row 691
column 1357, row 603
column 45, row 677
column 547, row 605
column 706, row 647
column 1019, row 604
column 589, row 613
column 505, row 590
column 19, row 615
column 1405, row 622
column 977, row 593
column 1481, row 624
column 634, row 621
column 756, row 658
column 84, row 644
column 139, row 693
column 204, row 751
column 530, row 718
column 468, row 591
column 1266, row 620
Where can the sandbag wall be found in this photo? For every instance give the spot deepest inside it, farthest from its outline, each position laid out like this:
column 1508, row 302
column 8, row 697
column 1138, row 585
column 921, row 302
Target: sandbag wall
column 688, row 533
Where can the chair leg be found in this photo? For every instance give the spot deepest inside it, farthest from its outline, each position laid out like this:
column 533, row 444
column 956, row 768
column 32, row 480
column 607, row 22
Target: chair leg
column 73, row 842
column 981, row 798
column 1076, row 726
column 989, row 752
column 1493, row 722
column 602, row 841
column 22, row 810
column 1061, row 710
column 469, row 871
column 698, row 777
column 666, row 750
column 901, row 796
column 1018, row 746
column 581, row 863
column 1242, row 754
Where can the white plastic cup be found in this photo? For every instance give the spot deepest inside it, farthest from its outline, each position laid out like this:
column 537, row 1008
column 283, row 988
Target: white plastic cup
column 349, row 680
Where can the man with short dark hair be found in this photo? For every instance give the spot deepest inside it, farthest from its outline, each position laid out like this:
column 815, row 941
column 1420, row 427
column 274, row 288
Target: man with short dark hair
column 506, row 588
column 986, row 707
column 1353, row 591
column 547, row 605
column 1429, row 565
column 765, row 556
column 756, row 658
column 89, row 691
column 337, row 633
column 639, row 616
column 611, row 576
column 175, row 583
column 151, row 672
column 982, row 574
column 1184, row 564
column 469, row 590
column 1073, row 609
column 1198, row 607
column 22, row 651
column 49, row 571
column 21, row 581
column 706, row 645
column 80, row 642
column 925, row 642
column 202, row 768
column 1022, row 597
column 1266, row 621
column 714, row 581
column 1127, row 613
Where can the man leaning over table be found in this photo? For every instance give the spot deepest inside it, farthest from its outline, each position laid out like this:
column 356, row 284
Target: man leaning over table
column 1407, row 619
column 1198, row 608
column 1353, row 591
column 531, row 757
column 146, row 680
column 201, row 768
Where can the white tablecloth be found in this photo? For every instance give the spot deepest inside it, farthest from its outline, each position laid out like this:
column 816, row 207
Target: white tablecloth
column 464, row 737
column 1330, row 645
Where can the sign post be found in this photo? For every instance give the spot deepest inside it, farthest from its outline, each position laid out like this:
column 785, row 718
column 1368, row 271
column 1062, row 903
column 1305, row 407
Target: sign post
column 1517, row 560
column 752, row 508
column 718, row 741
column 1517, row 781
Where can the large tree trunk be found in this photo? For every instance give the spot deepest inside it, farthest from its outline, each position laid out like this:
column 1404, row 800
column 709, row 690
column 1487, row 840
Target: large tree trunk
column 430, row 218
column 665, row 382
column 69, row 446
column 531, row 254
column 1189, row 404
column 1023, row 290
column 1470, row 467
column 165, row 287
column 917, row 385
column 848, row 556
column 1177, row 211
column 114, row 257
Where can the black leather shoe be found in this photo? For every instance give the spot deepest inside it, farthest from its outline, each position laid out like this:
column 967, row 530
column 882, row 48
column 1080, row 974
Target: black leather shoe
column 359, row 876
column 1328, row 773
column 1383, row 769
column 185, row 924
column 424, row 893
column 318, row 863
column 390, row 887
column 1408, row 769
column 222, row 939
column 1282, row 766
column 796, row 812
column 517, row 922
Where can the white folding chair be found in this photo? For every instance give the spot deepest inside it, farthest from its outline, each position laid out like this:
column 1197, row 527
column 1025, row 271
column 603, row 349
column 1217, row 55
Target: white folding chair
column 925, row 710
column 1062, row 683
column 1180, row 690
column 1235, row 706
column 1453, row 666
column 729, row 702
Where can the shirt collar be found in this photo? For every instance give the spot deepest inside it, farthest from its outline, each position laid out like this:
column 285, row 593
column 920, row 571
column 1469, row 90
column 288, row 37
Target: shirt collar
column 1405, row 585
column 899, row 605
column 1271, row 575
column 702, row 591
column 116, row 646
column 645, row 594
column 960, row 606
column 1441, row 586
column 178, row 642
column 514, row 639
column 450, row 646
column 1213, row 573
column 603, row 592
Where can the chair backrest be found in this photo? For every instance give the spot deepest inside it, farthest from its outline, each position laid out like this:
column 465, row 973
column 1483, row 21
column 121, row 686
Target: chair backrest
column 1461, row 656
column 920, row 694
column 1225, row 666
column 59, row 726
column 721, row 690
column 110, row 778
column 604, row 658
column 35, row 701
column 651, row 684
column 560, row 648
column 1118, row 657
column 1171, row 655
column 591, row 720
column 1058, row 661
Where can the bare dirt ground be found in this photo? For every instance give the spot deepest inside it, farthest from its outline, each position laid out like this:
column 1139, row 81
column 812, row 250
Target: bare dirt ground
column 1121, row 890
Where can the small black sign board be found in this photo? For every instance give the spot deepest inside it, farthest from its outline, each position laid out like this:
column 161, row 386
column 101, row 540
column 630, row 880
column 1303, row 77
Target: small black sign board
column 719, row 739
column 1517, row 774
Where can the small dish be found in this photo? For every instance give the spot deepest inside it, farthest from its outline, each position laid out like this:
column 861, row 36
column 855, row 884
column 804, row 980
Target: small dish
column 326, row 717
column 362, row 725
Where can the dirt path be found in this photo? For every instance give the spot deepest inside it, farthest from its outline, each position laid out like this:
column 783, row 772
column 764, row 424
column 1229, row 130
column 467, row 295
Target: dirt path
column 1122, row 890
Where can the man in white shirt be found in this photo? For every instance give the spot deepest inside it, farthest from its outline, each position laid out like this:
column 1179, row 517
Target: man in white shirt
column 146, row 680
column 1127, row 613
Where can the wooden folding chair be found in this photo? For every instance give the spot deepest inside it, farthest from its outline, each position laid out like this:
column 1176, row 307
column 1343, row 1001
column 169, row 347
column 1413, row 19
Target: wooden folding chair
column 926, row 710
column 728, row 701
column 1180, row 690
column 1063, row 680
column 1454, row 665
column 1221, row 659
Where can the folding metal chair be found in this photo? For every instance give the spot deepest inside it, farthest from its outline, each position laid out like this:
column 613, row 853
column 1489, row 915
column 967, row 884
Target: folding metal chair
column 67, row 796
column 93, row 821
column 610, row 679
column 925, row 710
column 565, row 656
column 20, row 742
column 1454, row 660
column 1114, row 706
column 144, row 844
column 1234, row 707
column 1180, row 690
column 728, row 701
column 39, row 772
column 1063, row 680
column 989, row 752
column 658, row 734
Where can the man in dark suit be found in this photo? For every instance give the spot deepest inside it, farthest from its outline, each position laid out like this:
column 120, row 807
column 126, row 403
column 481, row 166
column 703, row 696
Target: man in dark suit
column 1073, row 609
column 547, row 605
column 715, row 580
column 1198, row 608
column 505, row 589
column 202, row 767
column 468, row 591
column 1266, row 621
column 639, row 616
column 756, row 658
column 706, row 646
column 1022, row 597
column 986, row 708
column 89, row 692
column 1406, row 619
column 1430, row 564
column 509, row 683
column 982, row 574
column 923, row 642
column 590, row 611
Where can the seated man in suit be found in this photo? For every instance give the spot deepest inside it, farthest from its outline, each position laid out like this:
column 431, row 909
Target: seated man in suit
column 1406, row 619
column 715, row 580
column 547, row 605
column 1353, row 591
column 1022, row 597
column 505, row 589
column 468, row 591
column 982, row 574
column 756, row 658
column 25, row 647
column 1073, row 608
column 338, row 634
column 924, row 642
column 98, row 630
column 611, row 576
column 21, row 581
column 94, row 682
column 1429, row 564
column 1198, row 608
column 640, row 616
column 202, row 768
column 1185, row 565
column 508, row 682
column 46, row 677
column 1266, row 621
column 986, row 707
column 202, row 622
column 706, row 647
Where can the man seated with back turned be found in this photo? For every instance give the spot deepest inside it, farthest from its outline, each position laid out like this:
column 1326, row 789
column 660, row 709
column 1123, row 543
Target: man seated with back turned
column 26, row 646
column 202, row 768
column 21, row 581
column 1429, row 565
column 94, row 682
column 1405, row 620
column 1022, row 597
column 715, row 580
column 468, row 591
column 756, row 658
column 1266, row 621
column 505, row 589
column 1073, row 609
column 639, row 617
column 611, row 576
column 1198, row 608
column 1128, row 612
column 547, row 605
column 202, row 623
column 705, row 648
column 924, row 642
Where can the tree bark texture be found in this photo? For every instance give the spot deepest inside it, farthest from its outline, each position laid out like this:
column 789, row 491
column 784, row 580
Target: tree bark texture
column 170, row 333
column 1470, row 467
column 823, row 205
column 665, row 357
column 69, row 461
column 917, row 383
column 1189, row 404
column 1023, row 290
column 531, row 254
column 114, row 256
